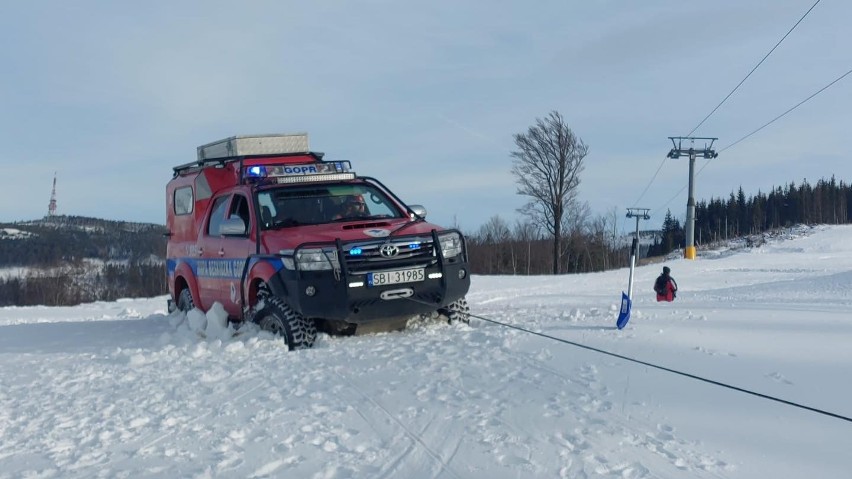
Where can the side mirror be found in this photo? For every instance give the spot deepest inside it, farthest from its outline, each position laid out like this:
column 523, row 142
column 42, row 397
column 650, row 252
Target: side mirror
column 233, row 226
column 418, row 210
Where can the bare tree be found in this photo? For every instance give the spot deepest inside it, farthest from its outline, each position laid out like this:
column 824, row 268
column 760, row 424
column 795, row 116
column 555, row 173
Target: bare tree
column 547, row 166
column 613, row 219
column 495, row 234
column 526, row 233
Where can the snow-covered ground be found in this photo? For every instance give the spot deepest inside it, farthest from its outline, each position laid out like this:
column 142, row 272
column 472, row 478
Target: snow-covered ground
column 123, row 390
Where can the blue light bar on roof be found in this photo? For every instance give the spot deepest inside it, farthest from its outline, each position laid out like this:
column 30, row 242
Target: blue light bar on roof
column 299, row 170
column 256, row 171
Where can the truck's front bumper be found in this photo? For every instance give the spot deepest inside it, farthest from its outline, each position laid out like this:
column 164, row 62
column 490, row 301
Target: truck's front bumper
column 350, row 298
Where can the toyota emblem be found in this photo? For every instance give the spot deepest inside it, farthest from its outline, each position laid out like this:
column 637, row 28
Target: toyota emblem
column 388, row 250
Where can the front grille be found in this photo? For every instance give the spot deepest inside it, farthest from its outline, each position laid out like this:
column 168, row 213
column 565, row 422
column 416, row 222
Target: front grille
column 410, row 252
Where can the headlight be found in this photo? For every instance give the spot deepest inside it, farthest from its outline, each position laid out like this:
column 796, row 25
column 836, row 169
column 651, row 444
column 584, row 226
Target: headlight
column 451, row 244
column 317, row 259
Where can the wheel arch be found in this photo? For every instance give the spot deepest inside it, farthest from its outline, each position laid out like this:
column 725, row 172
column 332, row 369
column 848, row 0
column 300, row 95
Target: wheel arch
column 262, row 273
column 184, row 278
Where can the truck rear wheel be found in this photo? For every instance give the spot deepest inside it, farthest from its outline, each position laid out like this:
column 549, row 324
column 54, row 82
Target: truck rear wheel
column 278, row 318
column 458, row 310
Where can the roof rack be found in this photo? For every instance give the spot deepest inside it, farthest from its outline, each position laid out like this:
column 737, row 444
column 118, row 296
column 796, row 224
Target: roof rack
column 239, row 147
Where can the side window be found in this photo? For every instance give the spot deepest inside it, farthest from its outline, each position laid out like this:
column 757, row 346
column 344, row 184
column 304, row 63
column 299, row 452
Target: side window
column 217, row 216
column 183, row 200
column 240, row 209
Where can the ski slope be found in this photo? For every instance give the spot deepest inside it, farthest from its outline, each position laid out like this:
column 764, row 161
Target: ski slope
column 123, row 390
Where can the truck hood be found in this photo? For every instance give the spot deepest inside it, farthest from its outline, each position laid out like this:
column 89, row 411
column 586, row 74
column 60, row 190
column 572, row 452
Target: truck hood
column 290, row 238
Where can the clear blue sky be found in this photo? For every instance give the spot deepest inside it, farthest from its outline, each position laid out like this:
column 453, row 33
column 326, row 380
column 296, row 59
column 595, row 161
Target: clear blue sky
column 423, row 95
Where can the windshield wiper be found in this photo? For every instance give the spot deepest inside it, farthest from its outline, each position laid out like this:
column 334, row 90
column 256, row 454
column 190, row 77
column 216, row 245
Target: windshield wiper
column 419, row 219
column 285, row 223
column 361, row 218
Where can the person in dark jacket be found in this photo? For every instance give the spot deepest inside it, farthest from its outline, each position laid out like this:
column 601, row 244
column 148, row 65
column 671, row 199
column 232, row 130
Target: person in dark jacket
column 353, row 207
column 665, row 286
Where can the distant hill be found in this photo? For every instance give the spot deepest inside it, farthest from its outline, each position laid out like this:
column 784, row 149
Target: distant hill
column 52, row 240
column 71, row 259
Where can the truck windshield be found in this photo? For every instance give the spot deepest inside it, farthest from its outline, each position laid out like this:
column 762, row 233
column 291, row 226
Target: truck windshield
column 312, row 204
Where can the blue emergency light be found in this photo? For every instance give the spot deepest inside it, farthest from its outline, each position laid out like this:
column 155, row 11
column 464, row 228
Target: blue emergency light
column 256, row 171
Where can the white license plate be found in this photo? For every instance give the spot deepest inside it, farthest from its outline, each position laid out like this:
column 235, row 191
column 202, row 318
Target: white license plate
column 396, row 277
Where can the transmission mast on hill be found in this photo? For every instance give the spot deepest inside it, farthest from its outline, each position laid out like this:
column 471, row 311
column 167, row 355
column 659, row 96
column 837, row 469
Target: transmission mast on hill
column 51, row 208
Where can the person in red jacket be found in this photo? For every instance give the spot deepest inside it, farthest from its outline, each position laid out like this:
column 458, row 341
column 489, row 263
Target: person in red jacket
column 665, row 286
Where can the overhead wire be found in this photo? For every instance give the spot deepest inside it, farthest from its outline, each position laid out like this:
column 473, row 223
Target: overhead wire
column 651, row 182
column 789, row 110
column 753, row 69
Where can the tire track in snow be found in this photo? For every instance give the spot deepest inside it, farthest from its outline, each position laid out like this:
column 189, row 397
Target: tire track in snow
column 659, row 439
column 388, row 469
column 408, row 432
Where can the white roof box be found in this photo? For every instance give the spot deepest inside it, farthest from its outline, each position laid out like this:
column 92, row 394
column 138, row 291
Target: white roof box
column 248, row 145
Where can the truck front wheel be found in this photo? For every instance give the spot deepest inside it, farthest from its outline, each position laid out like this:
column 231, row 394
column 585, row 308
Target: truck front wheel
column 278, row 318
column 458, row 310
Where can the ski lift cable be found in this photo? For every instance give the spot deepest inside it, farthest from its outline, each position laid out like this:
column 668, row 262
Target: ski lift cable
column 669, row 370
column 797, row 105
column 650, row 182
column 753, row 69
column 726, row 99
column 785, row 113
column 675, row 196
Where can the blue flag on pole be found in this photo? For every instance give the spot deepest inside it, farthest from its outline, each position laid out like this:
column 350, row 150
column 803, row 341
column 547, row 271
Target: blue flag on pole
column 624, row 315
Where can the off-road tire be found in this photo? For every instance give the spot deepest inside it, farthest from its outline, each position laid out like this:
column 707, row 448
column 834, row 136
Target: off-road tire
column 458, row 310
column 185, row 302
column 278, row 318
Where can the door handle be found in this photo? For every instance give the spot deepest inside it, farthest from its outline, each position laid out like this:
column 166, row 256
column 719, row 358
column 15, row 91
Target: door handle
column 221, row 252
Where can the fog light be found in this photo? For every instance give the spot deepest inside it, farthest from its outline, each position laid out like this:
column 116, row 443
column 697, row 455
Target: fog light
column 462, row 273
column 310, row 291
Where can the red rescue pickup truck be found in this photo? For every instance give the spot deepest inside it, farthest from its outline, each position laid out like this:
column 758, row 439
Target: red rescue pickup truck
column 281, row 237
